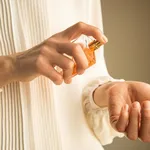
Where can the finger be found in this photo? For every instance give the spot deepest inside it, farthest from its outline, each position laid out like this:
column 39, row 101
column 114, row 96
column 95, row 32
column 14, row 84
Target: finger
column 65, row 73
column 133, row 125
column 77, row 52
column 123, row 119
column 44, row 68
column 145, row 122
column 76, row 30
column 61, row 64
column 115, row 111
column 116, row 102
column 66, row 64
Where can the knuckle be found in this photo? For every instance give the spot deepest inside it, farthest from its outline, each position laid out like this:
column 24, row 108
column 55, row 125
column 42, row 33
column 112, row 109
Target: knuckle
column 43, row 49
column 8, row 64
column 57, row 79
column 80, row 25
column 69, row 65
column 48, row 44
column 97, row 30
column 41, row 65
column 100, row 32
column 50, row 40
column 47, row 52
column 39, row 61
column 76, row 48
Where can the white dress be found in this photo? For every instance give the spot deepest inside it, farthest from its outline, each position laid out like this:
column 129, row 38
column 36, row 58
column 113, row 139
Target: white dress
column 39, row 115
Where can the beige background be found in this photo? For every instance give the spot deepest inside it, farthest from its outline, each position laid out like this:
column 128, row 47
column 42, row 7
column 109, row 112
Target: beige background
column 127, row 26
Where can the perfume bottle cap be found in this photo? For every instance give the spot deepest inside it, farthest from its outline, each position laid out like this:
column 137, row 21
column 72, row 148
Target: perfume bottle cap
column 89, row 42
column 95, row 44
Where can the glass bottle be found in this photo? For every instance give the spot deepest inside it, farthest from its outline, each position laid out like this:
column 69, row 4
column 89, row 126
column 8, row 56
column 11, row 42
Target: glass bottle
column 90, row 46
column 89, row 51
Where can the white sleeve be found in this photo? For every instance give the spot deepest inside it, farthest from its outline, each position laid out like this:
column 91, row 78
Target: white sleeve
column 98, row 118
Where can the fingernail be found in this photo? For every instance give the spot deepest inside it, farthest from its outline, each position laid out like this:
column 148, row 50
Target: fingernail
column 136, row 105
column 68, row 81
column 57, row 82
column 146, row 105
column 80, row 72
column 105, row 39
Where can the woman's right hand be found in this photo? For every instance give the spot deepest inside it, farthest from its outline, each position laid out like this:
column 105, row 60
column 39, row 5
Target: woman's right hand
column 41, row 59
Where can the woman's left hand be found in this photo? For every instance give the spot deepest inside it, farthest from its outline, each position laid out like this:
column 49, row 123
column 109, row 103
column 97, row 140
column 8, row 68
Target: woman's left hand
column 129, row 108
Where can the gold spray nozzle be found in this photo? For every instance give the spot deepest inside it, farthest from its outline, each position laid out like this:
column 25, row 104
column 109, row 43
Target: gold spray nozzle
column 94, row 44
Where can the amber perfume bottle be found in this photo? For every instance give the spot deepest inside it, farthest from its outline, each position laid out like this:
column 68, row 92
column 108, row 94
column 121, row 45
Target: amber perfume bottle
column 89, row 51
column 90, row 46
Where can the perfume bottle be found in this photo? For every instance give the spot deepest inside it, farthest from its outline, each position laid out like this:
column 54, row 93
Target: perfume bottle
column 89, row 51
column 90, row 46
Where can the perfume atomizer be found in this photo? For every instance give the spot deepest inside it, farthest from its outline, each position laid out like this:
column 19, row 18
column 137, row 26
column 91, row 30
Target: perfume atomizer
column 90, row 46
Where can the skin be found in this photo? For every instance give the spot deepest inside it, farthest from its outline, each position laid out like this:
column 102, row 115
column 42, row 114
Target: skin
column 127, row 101
column 129, row 107
column 41, row 59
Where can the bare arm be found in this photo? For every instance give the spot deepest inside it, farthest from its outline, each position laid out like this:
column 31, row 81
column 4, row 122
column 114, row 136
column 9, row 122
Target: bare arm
column 7, row 69
column 41, row 59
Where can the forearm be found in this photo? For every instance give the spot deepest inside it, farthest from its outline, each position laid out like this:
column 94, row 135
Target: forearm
column 7, row 70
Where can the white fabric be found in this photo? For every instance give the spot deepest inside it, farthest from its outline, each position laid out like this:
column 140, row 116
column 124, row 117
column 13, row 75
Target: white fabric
column 98, row 118
column 39, row 115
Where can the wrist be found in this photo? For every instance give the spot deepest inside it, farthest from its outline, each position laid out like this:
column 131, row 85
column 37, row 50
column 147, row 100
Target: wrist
column 25, row 65
column 7, row 71
column 101, row 94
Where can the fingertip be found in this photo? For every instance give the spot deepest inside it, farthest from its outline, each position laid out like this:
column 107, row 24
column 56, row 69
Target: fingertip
column 80, row 72
column 68, row 80
column 146, row 105
column 136, row 105
column 58, row 82
column 105, row 39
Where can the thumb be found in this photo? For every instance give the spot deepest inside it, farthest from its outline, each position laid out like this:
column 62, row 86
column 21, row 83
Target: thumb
column 115, row 105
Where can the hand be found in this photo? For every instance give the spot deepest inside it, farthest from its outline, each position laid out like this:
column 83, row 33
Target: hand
column 129, row 108
column 41, row 59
